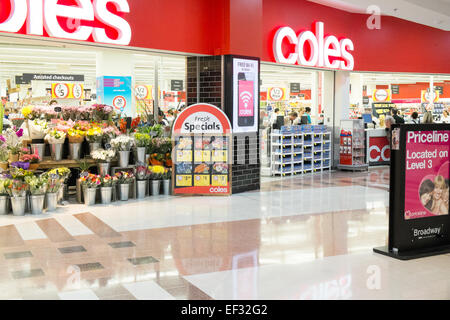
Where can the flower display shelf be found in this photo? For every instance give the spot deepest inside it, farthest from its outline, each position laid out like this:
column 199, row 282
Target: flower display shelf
column 115, row 193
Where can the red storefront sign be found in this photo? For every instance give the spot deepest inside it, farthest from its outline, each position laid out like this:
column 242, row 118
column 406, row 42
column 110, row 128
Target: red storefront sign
column 379, row 150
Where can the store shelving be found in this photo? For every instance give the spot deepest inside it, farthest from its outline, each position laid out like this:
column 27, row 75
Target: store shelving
column 352, row 145
column 300, row 149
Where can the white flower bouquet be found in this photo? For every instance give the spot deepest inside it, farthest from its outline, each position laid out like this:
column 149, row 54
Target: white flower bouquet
column 122, row 143
column 55, row 136
column 38, row 128
column 103, row 155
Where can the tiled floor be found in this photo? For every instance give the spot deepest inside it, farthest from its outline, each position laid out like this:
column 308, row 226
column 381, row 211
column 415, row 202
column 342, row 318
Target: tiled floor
column 308, row 237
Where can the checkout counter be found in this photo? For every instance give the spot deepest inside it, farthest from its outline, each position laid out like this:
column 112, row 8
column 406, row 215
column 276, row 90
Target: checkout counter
column 377, row 144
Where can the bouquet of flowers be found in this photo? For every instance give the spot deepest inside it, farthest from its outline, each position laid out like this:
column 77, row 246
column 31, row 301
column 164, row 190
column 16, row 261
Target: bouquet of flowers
column 167, row 175
column 102, row 112
column 94, row 134
column 63, row 173
column 124, row 177
column 54, row 182
column 102, row 155
column 4, row 152
column 18, row 188
column 28, row 112
column 122, row 143
column 91, row 181
column 141, row 140
column 109, row 133
column 142, row 173
column 85, row 112
column 38, row 129
column 55, row 136
column 156, row 172
column 37, row 184
column 20, row 173
column 63, row 125
column 30, row 158
column 13, row 140
column 76, row 136
column 108, row 181
column 5, row 186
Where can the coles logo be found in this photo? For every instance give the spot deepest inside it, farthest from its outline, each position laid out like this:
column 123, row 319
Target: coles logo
column 218, row 190
column 44, row 14
column 379, row 150
column 326, row 51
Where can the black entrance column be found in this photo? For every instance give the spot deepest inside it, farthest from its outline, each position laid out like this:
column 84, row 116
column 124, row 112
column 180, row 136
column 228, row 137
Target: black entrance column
column 207, row 82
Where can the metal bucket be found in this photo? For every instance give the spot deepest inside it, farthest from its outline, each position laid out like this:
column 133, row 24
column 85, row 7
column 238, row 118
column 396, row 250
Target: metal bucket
column 124, row 190
column 51, row 201
column 89, row 196
column 167, row 187
column 124, row 158
column 18, row 205
column 37, row 204
column 56, row 150
column 94, row 146
column 39, row 149
column 4, row 205
column 75, row 151
column 141, row 189
column 103, row 168
column 140, row 154
column 155, row 187
column 106, row 193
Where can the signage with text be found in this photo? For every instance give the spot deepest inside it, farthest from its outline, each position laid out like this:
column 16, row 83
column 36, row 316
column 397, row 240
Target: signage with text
column 419, row 223
column 323, row 51
column 67, row 91
column 202, row 151
column 87, row 20
column 381, row 95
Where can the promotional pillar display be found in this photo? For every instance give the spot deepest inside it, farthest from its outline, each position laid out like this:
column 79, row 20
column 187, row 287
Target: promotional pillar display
column 202, row 152
column 116, row 92
column 419, row 221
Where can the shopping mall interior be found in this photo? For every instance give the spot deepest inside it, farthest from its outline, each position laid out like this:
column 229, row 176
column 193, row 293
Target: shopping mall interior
column 108, row 192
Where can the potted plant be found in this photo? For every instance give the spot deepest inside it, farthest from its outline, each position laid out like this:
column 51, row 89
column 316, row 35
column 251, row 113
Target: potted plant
column 103, row 158
column 155, row 179
column 13, row 140
column 106, row 187
column 76, row 138
column 142, row 175
column 94, row 136
column 54, row 186
column 37, row 131
column 122, row 144
column 124, row 179
column 37, row 186
column 141, row 140
column 32, row 159
column 90, row 183
column 18, row 194
column 5, row 187
column 55, row 138
column 4, row 156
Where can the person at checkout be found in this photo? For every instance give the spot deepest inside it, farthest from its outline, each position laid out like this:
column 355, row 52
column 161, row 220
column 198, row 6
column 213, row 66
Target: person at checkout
column 294, row 119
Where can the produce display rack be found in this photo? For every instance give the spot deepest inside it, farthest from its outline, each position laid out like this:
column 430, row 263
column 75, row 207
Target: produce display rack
column 300, row 150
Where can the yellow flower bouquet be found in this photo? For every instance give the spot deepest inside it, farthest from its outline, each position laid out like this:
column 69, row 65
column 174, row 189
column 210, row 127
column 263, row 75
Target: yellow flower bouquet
column 76, row 136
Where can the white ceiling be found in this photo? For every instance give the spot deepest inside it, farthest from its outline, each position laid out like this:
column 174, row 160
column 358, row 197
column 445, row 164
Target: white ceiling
column 433, row 13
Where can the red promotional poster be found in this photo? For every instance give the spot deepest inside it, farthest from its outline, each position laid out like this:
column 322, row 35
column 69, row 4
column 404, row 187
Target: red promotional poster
column 246, row 98
column 202, row 158
column 427, row 174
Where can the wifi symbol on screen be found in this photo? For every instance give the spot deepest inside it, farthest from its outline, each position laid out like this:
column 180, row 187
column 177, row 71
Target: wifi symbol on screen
column 246, row 97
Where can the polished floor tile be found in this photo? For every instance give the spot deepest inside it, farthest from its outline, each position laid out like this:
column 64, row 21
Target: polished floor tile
column 78, row 295
column 148, row 290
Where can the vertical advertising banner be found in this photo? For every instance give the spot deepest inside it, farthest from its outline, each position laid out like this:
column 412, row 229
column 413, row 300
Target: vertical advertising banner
column 246, row 95
column 117, row 92
column 427, row 174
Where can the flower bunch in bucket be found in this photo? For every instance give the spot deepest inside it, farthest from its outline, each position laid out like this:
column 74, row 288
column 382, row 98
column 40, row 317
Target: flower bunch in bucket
column 124, row 177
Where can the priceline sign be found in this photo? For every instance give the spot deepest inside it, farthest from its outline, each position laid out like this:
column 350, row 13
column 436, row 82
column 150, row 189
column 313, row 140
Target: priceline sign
column 325, row 51
column 38, row 15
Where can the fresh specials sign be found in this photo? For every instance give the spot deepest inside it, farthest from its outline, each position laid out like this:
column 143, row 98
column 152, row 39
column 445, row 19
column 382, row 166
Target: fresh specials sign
column 427, row 175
